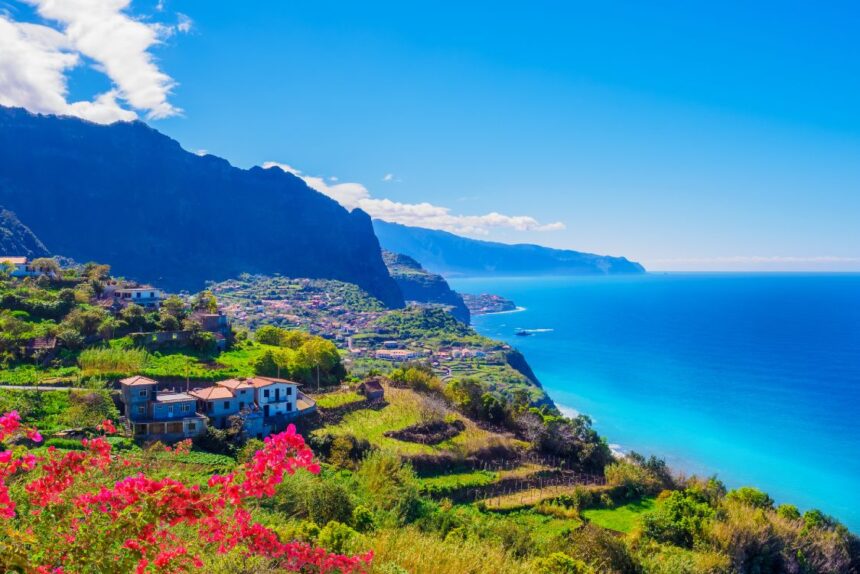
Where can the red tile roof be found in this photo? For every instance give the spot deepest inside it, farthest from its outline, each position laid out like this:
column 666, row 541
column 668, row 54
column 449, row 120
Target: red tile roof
column 137, row 380
column 212, row 393
column 235, row 384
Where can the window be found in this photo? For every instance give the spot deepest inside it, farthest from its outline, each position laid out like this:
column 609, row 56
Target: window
column 226, row 405
column 141, row 409
column 186, row 408
column 169, row 409
column 209, row 406
column 289, row 391
column 192, row 426
column 241, row 405
column 266, row 393
column 143, row 392
column 289, row 407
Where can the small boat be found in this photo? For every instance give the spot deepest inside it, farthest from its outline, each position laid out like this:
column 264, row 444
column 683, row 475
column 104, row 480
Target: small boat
column 523, row 333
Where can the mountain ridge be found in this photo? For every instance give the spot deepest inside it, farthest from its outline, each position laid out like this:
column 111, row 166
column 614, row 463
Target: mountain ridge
column 131, row 196
column 449, row 254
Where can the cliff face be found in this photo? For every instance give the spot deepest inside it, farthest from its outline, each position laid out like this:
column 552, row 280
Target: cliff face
column 449, row 254
column 16, row 239
column 130, row 196
column 419, row 285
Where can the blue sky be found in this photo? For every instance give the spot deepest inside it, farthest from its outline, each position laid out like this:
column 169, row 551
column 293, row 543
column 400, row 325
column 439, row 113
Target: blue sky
column 707, row 136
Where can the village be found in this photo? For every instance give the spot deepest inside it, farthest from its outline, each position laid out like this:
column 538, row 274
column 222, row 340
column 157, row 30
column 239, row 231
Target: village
column 171, row 407
column 355, row 322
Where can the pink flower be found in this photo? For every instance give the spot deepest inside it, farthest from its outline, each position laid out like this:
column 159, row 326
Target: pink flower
column 107, row 427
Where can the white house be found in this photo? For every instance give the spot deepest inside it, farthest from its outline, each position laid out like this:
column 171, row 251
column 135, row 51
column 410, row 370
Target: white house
column 275, row 396
column 145, row 296
column 20, row 266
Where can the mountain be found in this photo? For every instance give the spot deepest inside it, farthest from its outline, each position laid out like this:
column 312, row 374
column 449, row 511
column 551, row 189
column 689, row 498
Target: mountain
column 449, row 254
column 417, row 284
column 130, row 196
column 17, row 239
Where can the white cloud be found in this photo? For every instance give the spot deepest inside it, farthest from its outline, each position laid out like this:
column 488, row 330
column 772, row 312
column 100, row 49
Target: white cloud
column 183, row 23
column 388, row 177
column 35, row 59
column 352, row 195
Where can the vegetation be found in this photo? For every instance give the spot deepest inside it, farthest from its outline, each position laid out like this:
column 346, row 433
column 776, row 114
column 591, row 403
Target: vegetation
column 517, row 488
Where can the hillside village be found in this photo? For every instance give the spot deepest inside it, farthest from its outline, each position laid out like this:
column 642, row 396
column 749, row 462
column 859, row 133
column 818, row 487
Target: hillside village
column 430, row 435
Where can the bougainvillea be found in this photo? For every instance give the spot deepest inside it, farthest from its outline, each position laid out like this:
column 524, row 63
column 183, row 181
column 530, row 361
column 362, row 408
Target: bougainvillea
column 93, row 510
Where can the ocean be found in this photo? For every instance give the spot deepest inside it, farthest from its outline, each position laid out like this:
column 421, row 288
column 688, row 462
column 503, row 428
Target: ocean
column 752, row 377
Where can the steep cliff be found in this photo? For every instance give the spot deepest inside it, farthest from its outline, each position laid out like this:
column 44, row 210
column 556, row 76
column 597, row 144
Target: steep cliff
column 130, row 196
column 417, row 284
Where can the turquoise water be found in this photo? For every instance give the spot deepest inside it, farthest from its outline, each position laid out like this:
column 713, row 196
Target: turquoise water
column 753, row 377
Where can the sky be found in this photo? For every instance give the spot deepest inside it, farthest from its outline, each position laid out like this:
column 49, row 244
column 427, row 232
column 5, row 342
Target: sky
column 684, row 135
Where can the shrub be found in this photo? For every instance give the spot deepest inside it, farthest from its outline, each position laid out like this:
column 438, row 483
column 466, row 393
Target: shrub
column 337, row 537
column 751, row 497
column 362, row 519
column 560, row 563
column 328, row 501
column 390, row 485
column 788, row 512
column 678, row 520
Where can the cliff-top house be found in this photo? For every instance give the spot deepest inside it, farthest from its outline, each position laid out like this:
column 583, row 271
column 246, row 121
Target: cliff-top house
column 264, row 404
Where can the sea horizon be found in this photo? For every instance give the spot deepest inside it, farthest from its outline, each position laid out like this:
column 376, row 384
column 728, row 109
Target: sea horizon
column 708, row 370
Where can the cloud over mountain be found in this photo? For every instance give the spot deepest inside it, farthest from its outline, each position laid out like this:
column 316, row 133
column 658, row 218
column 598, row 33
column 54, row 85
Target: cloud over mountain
column 352, row 195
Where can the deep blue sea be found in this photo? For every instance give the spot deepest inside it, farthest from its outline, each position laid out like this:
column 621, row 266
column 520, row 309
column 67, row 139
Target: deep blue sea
column 753, row 377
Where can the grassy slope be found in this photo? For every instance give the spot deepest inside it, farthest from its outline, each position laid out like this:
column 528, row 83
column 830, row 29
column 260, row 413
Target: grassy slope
column 404, row 409
column 623, row 518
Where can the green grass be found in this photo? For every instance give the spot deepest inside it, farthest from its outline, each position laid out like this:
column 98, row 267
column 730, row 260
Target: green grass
column 405, row 408
column 543, row 528
column 110, row 361
column 622, row 518
column 230, row 364
column 445, row 483
column 337, row 399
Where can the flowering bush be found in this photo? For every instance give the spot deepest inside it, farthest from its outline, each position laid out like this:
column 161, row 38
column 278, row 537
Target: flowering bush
column 92, row 510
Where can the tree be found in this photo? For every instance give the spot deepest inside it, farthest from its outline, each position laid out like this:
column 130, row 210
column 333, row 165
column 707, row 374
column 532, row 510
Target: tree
column 274, row 363
column 206, row 302
column 269, row 335
column 46, row 265
column 96, row 272
column 174, row 307
column 135, row 316
column 320, row 355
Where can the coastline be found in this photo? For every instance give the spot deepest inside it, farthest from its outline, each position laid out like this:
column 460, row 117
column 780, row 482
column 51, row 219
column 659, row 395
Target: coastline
column 626, row 353
column 508, row 312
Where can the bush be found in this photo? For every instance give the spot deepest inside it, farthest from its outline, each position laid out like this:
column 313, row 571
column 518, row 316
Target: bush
column 328, row 501
column 751, row 497
column 678, row 520
column 337, row 537
column 560, row 563
column 362, row 519
column 390, row 485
